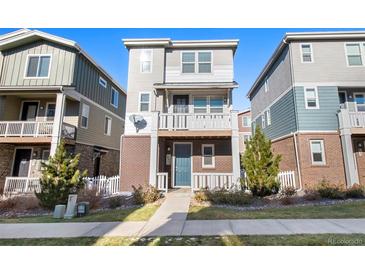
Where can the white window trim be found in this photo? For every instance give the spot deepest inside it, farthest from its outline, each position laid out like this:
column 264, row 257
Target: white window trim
column 88, row 116
column 263, row 121
column 208, row 106
column 149, row 101
column 268, row 117
column 354, row 98
column 306, row 98
column 109, row 133
column 213, row 156
column 111, row 97
column 47, row 106
column 266, row 84
column 141, row 62
column 196, row 62
column 249, row 124
column 103, row 82
column 322, row 150
column 36, row 77
column 43, row 152
column 362, row 53
column 311, row 53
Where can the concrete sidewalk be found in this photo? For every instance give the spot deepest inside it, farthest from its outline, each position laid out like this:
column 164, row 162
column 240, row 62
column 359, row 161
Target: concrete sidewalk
column 185, row 228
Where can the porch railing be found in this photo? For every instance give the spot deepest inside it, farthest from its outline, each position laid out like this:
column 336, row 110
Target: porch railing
column 25, row 129
column 194, row 121
column 213, row 181
column 21, row 185
column 357, row 119
column 162, row 181
column 105, row 186
column 285, row 178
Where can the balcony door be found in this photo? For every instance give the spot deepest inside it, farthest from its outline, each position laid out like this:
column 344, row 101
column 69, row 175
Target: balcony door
column 181, row 103
column 21, row 162
column 29, row 111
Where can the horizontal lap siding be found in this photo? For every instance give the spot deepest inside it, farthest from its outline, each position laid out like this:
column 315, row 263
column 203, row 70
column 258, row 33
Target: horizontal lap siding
column 324, row 118
column 14, row 65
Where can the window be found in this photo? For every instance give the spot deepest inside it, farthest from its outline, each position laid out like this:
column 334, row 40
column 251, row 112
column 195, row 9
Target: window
column 246, row 121
column 353, row 53
column 205, row 62
column 108, row 126
column 246, row 137
column 85, row 116
column 268, row 117
column 146, row 60
column 360, row 101
column 216, row 105
column 208, row 159
column 311, row 98
column 144, row 101
column 266, row 85
column 263, row 123
column 317, row 152
column 307, row 55
column 38, row 66
column 45, row 157
column 50, row 111
column 188, row 62
column 114, row 99
column 102, row 82
column 200, row 105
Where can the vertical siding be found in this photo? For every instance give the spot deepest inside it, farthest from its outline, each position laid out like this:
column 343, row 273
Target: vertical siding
column 324, row 118
column 13, row 69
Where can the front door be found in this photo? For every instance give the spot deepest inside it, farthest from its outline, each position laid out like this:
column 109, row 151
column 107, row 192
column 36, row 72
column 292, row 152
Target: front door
column 21, row 162
column 182, row 167
column 29, row 111
column 181, row 103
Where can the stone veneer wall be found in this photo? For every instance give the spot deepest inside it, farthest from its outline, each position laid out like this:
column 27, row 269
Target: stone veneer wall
column 6, row 161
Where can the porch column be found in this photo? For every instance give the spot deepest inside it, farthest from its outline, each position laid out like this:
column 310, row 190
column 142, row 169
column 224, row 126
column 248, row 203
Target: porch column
column 153, row 153
column 235, row 147
column 352, row 176
column 57, row 122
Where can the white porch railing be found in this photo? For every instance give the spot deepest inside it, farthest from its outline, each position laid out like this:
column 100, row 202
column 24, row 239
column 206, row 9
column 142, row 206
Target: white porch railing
column 357, row 119
column 194, row 121
column 212, row 180
column 287, row 179
column 25, row 129
column 105, row 186
column 21, row 185
column 162, row 181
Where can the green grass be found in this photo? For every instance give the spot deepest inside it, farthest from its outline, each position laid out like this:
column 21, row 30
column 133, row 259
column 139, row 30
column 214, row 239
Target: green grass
column 290, row 240
column 116, row 215
column 348, row 210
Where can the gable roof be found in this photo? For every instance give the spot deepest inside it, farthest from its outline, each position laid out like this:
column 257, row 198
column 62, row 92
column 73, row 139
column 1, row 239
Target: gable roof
column 302, row 36
column 25, row 36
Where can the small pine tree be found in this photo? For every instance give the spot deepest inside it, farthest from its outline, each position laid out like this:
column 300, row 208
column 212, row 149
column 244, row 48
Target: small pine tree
column 60, row 177
column 261, row 165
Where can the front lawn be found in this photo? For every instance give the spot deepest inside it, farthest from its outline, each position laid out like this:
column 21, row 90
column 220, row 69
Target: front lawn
column 290, row 240
column 115, row 215
column 345, row 210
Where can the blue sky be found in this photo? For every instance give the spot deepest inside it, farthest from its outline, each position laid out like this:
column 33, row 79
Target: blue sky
column 255, row 48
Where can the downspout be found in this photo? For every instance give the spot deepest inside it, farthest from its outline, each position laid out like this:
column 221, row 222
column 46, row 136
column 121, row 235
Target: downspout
column 295, row 116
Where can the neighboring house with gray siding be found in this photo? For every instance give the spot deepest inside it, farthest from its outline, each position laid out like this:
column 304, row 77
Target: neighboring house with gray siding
column 310, row 101
column 50, row 89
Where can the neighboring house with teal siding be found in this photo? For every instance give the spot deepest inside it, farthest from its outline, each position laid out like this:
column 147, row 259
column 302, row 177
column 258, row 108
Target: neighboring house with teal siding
column 310, row 101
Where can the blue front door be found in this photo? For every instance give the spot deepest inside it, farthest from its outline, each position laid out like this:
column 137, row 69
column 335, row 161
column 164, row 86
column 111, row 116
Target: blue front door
column 182, row 165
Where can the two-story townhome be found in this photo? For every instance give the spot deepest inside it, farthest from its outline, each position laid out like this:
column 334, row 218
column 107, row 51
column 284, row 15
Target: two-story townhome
column 244, row 128
column 181, row 130
column 50, row 89
column 310, row 101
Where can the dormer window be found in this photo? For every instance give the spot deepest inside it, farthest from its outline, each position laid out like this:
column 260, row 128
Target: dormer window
column 38, row 66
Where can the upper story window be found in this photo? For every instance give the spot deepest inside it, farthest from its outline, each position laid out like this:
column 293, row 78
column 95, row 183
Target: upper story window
column 317, row 152
column 188, row 62
column 200, row 104
column 266, row 85
column 353, row 54
column 208, row 104
column 146, row 60
column 268, row 117
column 85, row 116
column 311, row 98
column 200, row 62
column 216, row 104
column 263, row 122
column 246, row 121
column 307, row 53
column 103, row 82
column 38, row 66
column 144, row 101
column 114, row 99
column 108, row 126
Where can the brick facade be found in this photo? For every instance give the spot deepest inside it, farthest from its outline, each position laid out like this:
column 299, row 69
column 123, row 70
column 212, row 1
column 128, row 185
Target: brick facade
column 360, row 160
column 135, row 161
column 109, row 165
column 86, row 159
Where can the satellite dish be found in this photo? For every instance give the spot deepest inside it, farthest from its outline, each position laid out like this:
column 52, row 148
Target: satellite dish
column 138, row 121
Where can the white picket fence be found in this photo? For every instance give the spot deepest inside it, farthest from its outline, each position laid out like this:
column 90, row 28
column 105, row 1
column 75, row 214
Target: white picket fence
column 212, row 180
column 286, row 179
column 162, row 181
column 105, row 186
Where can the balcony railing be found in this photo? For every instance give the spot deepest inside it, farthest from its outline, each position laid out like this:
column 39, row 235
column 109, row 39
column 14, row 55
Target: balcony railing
column 194, row 121
column 34, row 129
column 21, row 185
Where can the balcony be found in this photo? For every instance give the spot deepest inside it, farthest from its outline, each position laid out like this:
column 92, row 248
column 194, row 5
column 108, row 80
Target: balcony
column 25, row 129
